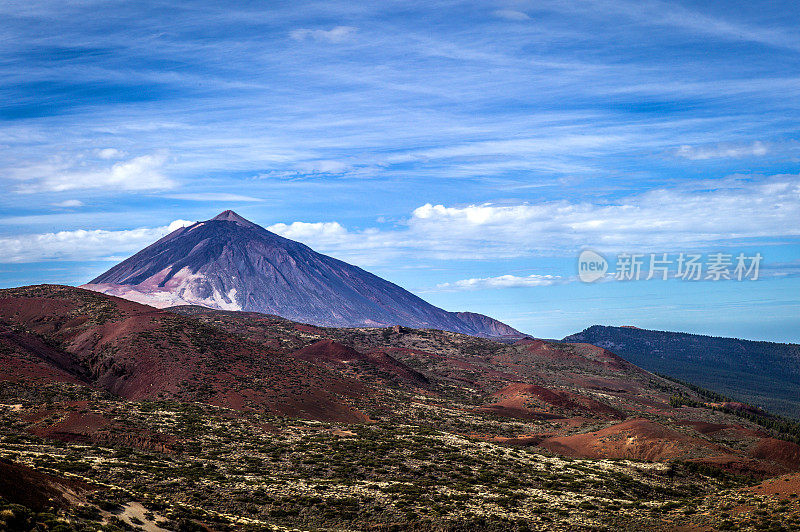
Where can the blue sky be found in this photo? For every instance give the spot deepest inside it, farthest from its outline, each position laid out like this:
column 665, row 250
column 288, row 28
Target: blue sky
column 466, row 150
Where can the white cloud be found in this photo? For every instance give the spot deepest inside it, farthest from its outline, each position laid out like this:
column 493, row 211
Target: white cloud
column 722, row 151
column 137, row 174
column 322, row 167
column 707, row 214
column 110, row 153
column 319, row 232
column 176, row 224
column 336, row 34
column 213, row 196
column 662, row 217
column 81, row 244
column 502, row 281
column 68, row 203
column 511, row 14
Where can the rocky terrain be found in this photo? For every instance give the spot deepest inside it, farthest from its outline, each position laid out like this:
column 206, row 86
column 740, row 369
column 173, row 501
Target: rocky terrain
column 230, row 263
column 122, row 416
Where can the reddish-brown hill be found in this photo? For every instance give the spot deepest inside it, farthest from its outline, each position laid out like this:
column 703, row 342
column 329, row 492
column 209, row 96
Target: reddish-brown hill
column 636, row 439
column 138, row 352
column 329, row 352
column 568, row 398
column 22, row 485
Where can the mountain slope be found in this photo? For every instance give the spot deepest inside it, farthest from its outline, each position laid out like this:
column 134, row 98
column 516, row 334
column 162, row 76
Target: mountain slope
column 766, row 374
column 64, row 334
column 230, row 263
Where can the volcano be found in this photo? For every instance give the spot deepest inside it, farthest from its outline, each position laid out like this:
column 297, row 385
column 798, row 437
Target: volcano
column 230, row 263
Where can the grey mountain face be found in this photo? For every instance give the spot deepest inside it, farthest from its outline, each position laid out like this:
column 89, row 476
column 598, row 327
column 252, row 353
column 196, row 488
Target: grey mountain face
column 231, row 263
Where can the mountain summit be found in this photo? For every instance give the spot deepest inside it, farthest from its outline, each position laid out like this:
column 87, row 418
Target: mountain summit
column 230, row 263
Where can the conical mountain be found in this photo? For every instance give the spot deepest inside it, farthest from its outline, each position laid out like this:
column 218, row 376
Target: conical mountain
column 230, row 263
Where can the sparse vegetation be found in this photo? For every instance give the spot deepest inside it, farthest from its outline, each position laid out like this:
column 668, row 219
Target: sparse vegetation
column 417, row 430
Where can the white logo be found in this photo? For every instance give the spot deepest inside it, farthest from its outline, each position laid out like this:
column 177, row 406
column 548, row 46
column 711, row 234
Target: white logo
column 591, row 266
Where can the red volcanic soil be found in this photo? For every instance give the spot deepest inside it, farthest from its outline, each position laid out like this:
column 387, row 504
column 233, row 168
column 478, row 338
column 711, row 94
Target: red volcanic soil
column 741, row 465
column 783, row 452
column 523, row 440
column 328, row 351
column 74, row 426
column 738, row 407
column 15, row 368
column 308, row 328
column 33, row 350
column 91, row 427
column 515, row 412
column 714, row 428
column 525, row 401
column 601, row 357
column 783, row 487
column 390, row 364
column 704, row 427
column 138, row 352
column 582, row 354
column 450, row 367
column 22, row 485
column 533, row 343
column 636, row 439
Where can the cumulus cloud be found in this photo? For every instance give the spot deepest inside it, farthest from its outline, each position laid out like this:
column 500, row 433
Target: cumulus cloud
column 502, row 281
column 176, row 224
column 144, row 173
column 722, row 151
column 82, row 244
column 686, row 216
column 335, row 35
column 666, row 219
column 319, row 232
column 66, row 204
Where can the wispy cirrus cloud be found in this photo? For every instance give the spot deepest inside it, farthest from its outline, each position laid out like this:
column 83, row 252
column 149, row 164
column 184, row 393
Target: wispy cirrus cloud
column 478, row 133
column 334, row 35
column 144, row 173
column 722, row 151
column 214, row 196
column 68, row 204
column 511, row 14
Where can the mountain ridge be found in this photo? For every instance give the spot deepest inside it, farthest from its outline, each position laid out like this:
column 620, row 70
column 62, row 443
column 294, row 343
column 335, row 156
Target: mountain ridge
column 763, row 373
